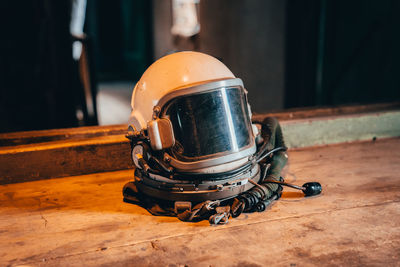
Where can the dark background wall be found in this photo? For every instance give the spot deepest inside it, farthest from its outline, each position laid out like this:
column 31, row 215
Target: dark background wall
column 361, row 52
column 248, row 36
column 289, row 53
column 122, row 36
column 297, row 53
column 341, row 52
column 36, row 68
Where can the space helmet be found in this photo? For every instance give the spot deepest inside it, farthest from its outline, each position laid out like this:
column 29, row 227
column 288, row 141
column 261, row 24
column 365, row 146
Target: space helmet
column 191, row 132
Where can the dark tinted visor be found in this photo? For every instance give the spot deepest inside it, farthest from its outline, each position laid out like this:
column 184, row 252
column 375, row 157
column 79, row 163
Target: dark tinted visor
column 210, row 123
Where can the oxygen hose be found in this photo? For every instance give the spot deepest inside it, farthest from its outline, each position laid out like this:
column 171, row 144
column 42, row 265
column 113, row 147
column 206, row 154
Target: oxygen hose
column 263, row 193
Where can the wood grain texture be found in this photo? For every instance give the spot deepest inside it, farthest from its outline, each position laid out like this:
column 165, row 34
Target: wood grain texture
column 82, row 220
column 315, row 112
column 63, row 158
column 32, row 137
column 29, row 156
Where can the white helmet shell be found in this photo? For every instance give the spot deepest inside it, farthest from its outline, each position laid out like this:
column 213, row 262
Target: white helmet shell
column 171, row 73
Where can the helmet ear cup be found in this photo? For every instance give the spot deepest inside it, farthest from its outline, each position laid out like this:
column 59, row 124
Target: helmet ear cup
column 161, row 134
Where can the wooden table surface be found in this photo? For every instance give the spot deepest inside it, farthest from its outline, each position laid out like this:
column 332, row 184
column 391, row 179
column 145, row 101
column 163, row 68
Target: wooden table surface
column 82, row 220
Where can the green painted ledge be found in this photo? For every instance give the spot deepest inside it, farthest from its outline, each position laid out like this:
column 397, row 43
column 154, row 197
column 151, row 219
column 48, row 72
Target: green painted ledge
column 339, row 129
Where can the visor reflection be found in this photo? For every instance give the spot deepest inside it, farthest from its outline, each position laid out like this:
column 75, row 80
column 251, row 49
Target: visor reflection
column 210, row 123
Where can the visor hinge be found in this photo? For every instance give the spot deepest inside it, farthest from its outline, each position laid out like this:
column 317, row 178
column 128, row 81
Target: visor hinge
column 156, row 112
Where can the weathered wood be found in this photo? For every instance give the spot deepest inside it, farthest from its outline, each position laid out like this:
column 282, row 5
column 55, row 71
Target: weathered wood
column 87, row 150
column 82, row 221
column 30, row 137
column 63, row 158
column 315, row 112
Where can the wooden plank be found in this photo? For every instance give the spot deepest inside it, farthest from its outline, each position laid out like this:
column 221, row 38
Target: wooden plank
column 61, row 158
column 92, row 149
column 30, row 137
column 315, row 112
column 82, row 220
